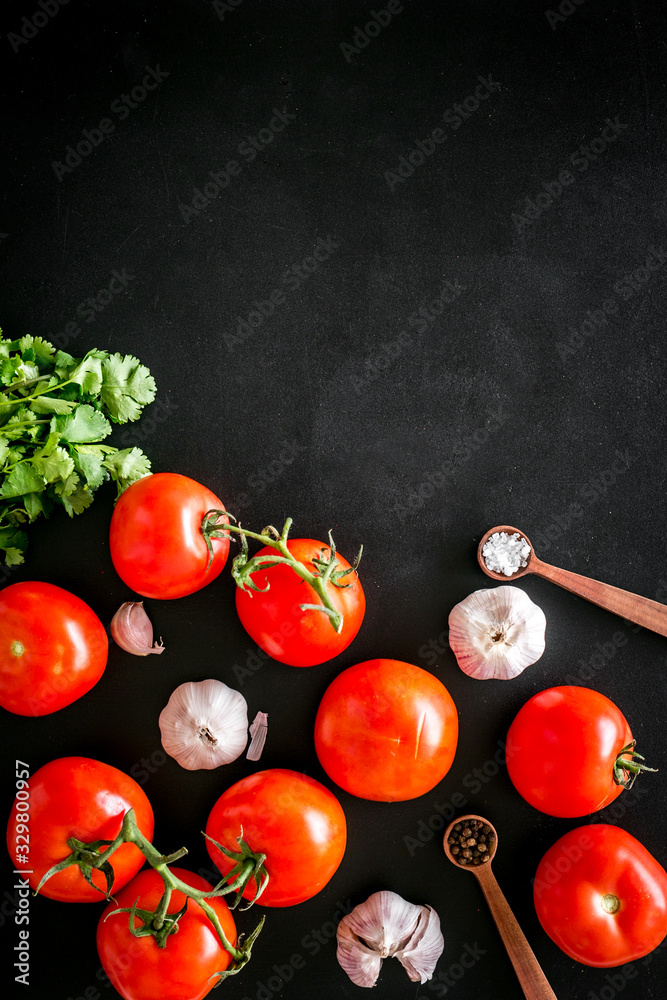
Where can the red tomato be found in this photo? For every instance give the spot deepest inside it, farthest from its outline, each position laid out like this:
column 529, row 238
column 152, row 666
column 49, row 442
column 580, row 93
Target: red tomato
column 293, row 819
column 566, row 742
column 185, row 968
column 156, row 544
column 53, row 648
column 275, row 621
column 82, row 798
column 386, row 730
column 601, row 897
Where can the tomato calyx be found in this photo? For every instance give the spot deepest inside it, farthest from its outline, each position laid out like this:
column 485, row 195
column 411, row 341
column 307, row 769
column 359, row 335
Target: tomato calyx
column 626, row 770
column 88, row 858
column 327, row 567
column 159, row 924
column 248, row 865
column 153, row 924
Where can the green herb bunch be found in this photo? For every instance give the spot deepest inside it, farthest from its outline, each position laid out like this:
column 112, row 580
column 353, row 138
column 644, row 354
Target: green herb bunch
column 54, row 412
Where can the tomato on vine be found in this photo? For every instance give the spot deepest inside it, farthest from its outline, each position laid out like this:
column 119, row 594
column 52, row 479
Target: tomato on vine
column 84, row 799
column 292, row 832
column 166, row 932
column 298, row 599
column 186, row 962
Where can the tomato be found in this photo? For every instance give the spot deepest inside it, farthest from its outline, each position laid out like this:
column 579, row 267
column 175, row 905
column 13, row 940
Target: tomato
column 53, row 648
column 156, row 544
column 567, row 740
column 275, row 621
column 82, row 798
column 185, row 968
column 293, row 819
column 386, row 730
column 601, row 897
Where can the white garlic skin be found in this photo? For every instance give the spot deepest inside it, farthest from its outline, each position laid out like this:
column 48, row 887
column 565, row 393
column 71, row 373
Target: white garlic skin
column 204, row 724
column 259, row 728
column 385, row 926
column 497, row 633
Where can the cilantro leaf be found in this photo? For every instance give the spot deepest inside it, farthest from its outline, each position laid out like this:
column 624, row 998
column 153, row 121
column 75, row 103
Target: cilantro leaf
column 88, row 373
column 13, row 543
column 22, row 479
column 42, row 351
column 76, row 501
column 13, row 556
column 89, row 465
column 127, row 386
column 83, row 426
column 8, row 369
column 49, row 404
column 65, row 487
column 16, row 515
column 127, row 466
column 58, row 465
column 63, row 363
column 36, row 504
column 23, row 423
column 27, row 370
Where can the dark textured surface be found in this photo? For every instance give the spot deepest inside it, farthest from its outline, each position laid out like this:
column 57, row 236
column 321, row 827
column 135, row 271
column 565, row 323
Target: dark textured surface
column 410, row 432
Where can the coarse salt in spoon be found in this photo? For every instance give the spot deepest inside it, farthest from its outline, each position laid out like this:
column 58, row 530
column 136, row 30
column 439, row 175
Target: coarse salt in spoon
column 475, row 836
column 509, row 548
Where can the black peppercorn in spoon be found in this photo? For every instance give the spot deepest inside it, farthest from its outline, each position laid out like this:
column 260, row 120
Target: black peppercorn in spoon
column 632, row 607
column 470, row 842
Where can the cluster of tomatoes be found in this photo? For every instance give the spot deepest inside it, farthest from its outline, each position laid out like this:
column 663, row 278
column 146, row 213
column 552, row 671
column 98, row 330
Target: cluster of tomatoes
column 569, row 753
column 293, row 820
column 395, row 716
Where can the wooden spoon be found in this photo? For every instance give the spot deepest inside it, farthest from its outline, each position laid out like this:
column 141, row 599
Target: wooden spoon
column 526, row 966
column 632, row 607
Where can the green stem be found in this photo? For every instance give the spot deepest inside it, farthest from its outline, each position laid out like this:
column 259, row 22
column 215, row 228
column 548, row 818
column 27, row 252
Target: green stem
column 24, row 385
column 163, row 905
column 626, row 770
column 23, row 423
column 35, row 395
column 160, row 923
column 327, row 569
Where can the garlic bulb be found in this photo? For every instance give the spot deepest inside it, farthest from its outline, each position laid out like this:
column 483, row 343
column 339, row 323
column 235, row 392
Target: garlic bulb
column 386, row 926
column 204, row 724
column 496, row 633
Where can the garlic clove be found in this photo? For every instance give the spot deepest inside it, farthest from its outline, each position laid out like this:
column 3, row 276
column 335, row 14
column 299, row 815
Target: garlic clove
column 425, row 948
column 361, row 963
column 497, row 633
column 204, row 724
column 384, row 926
column 131, row 629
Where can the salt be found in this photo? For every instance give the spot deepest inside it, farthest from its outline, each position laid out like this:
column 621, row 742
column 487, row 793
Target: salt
column 505, row 553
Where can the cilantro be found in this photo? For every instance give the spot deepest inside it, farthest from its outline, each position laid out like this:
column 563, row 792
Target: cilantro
column 127, row 466
column 55, row 410
column 127, row 385
column 83, row 426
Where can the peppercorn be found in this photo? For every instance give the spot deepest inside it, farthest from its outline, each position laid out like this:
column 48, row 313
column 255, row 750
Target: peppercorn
column 472, row 843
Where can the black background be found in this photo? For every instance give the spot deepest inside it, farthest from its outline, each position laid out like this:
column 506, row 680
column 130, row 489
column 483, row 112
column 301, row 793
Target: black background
column 393, row 443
